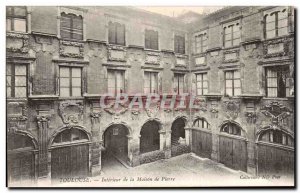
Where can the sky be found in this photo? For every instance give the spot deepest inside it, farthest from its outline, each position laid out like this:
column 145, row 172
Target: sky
column 175, row 11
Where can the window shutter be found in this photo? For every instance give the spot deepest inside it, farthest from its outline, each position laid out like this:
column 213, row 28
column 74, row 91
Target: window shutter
column 147, row 39
column 120, row 34
column 77, row 27
column 111, row 33
column 65, row 26
column 155, row 40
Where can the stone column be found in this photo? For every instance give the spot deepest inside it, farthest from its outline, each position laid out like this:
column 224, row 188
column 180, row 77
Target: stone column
column 168, row 144
column 251, row 162
column 215, row 143
column 135, row 150
column 96, row 145
column 187, row 136
column 162, row 140
column 43, row 174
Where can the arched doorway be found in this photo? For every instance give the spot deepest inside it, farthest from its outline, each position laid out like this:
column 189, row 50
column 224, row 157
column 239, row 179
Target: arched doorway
column 70, row 154
column 201, row 138
column 233, row 146
column 20, row 160
column 115, row 142
column 178, row 131
column 275, row 153
column 149, row 140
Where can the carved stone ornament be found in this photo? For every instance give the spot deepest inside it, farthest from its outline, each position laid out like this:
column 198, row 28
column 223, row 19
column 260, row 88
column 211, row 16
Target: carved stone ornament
column 116, row 112
column 71, row 49
column 17, row 42
column 95, row 117
column 153, row 110
column 277, row 112
column 116, row 53
column 276, row 43
column 135, row 114
column 201, row 104
column 251, row 117
column 16, row 120
column 232, row 109
column 152, row 58
column 231, row 56
column 71, row 112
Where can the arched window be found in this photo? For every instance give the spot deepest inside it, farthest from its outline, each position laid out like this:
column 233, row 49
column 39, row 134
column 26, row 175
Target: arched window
column 16, row 141
column 232, row 129
column 276, row 136
column 201, row 122
column 70, row 135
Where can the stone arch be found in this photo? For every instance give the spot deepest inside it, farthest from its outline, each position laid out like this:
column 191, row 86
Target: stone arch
column 150, row 138
column 243, row 131
column 61, row 129
column 196, row 118
column 27, row 134
column 269, row 128
column 130, row 131
column 178, row 130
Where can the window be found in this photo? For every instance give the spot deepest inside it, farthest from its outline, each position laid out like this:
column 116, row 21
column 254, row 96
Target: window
column 16, row 80
column 16, row 19
column 276, row 136
column 70, row 81
column 116, row 82
column 232, row 129
column 179, row 44
column 202, row 84
column 201, row 122
column 179, row 81
column 232, row 83
column 232, row 35
column 151, row 82
column 116, row 33
column 151, row 39
column 277, row 81
column 276, row 24
column 18, row 141
column 201, row 43
column 70, row 135
column 71, row 26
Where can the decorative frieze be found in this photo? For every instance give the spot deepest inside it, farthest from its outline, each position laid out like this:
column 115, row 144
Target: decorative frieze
column 200, row 60
column 181, row 60
column 16, row 115
column 231, row 108
column 71, row 49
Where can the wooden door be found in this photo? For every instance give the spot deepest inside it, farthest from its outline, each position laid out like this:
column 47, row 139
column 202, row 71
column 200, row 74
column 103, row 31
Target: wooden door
column 202, row 143
column 72, row 161
column 274, row 160
column 233, row 152
column 21, row 169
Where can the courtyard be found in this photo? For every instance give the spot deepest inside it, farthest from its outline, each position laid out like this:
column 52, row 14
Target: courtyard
column 181, row 171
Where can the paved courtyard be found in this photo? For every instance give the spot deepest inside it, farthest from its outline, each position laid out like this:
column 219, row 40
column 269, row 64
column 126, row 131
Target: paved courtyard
column 183, row 170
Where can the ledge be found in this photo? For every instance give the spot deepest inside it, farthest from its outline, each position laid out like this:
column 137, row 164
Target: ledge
column 180, row 70
column 135, row 46
column 20, row 59
column 250, row 41
column 276, row 145
column 44, row 34
column 201, row 68
column 213, row 96
column 213, row 49
column 97, row 41
column 276, row 61
column 43, row 97
column 168, row 51
column 152, row 67
column 71, row 61
column 251, row 96
column 116, row 65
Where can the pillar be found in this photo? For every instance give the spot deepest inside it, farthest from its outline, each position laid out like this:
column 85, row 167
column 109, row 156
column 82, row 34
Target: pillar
column 95, row 158
column 168, row 144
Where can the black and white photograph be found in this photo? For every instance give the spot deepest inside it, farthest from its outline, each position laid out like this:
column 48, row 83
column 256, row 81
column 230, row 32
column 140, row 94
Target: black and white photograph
column 150, row 96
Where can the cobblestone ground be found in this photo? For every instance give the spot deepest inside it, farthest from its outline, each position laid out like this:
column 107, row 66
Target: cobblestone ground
column 183, row 170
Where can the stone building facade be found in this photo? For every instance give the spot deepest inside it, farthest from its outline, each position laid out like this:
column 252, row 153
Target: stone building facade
column 238, row 61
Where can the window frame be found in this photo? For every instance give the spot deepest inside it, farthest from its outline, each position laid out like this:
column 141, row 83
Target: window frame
column 12, row 17
column 277, row 69
column 276, row 23
column 202, row 82
column 150, row 37
column 201, row 48
column 233, row 84
column 179, row 44
column 13, row 80
column 71, row 30
column 115, row 33
column 116, row 80
column 150, row 75
column 70, row 85
column 177, row 82
column 232, row 39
